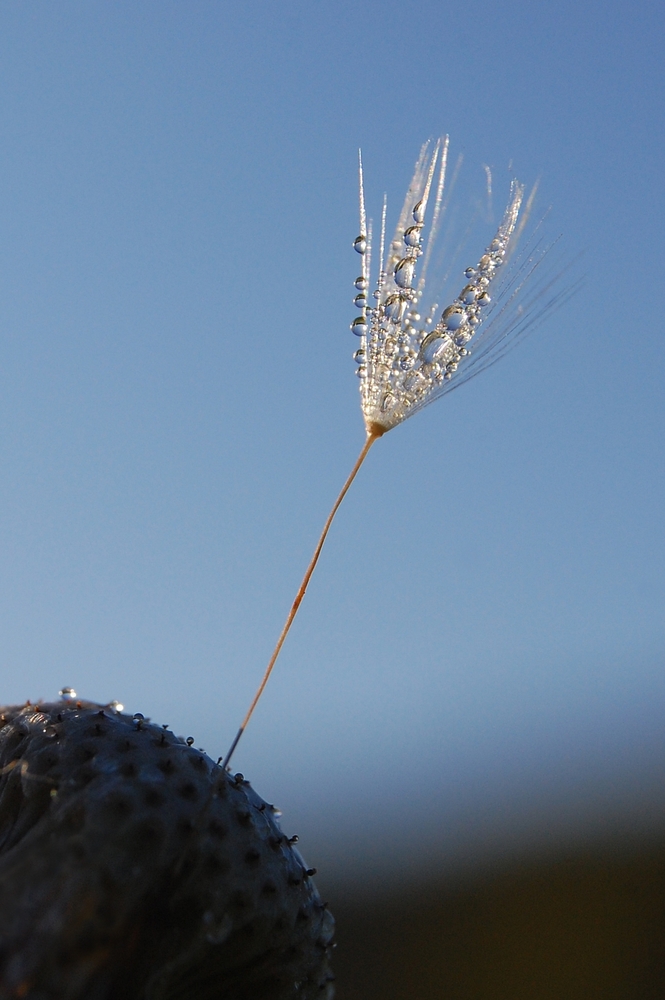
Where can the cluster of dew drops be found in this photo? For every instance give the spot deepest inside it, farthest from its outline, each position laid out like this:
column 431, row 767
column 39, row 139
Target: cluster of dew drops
column 401, row 358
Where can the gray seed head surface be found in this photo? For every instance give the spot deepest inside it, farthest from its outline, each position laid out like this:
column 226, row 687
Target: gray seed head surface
column 132, row 866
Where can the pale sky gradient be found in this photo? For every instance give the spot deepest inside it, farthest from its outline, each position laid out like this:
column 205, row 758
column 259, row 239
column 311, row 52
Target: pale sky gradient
column 483, row 642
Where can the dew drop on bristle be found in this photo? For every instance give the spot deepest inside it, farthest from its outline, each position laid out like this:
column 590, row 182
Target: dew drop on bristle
column 404, row 272
column 359, row 356
column 67, row 694
column 360, row 302
column 50, row 732
column 454, row 318
column 434, row 346
column 116, row 706
column 387, row 402
column 359, row 326
column 470, row 273
column 484, row 299
column 413, row 235
column 419, row 213
column 468, row 295
column 361, row 283
column 360, row 244
column 395, row 307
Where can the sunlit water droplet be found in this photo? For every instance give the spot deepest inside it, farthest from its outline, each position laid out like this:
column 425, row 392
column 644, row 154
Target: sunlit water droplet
column 67, row 694
column 395, row 307
column 361, row 284
column 404, row 272
column 454, row 317
column 360, row 244
column 413, row 235
column 435, row 346
column 419, row 213
column 359, row 326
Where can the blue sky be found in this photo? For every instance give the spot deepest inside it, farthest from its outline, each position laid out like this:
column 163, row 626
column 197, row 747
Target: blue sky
column 178, row 407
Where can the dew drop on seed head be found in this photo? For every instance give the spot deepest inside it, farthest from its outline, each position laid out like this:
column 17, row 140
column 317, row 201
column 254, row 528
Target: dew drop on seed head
column 138, row 717
column 470, row 273
column 359, row 326
column 67, row 694
column 412, row 236
column 468, row 295
column 454, row 318
column 404, row 272
column 361, row 283
column 359, row 356
column 360, row 244
column 387, row 402
column 360, row 372
column 395, row 307
column 50, row 732
column 484, row 299
column 360, row 302
column 117, row 706
column 419, row 213
column 435, row 346
column 189, row 741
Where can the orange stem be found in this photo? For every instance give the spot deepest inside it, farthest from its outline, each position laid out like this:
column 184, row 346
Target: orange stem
column 373, row 433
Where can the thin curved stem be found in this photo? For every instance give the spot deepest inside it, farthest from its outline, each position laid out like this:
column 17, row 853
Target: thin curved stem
column 372, row 436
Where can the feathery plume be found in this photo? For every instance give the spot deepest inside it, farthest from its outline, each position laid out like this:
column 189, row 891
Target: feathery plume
column 411, row 352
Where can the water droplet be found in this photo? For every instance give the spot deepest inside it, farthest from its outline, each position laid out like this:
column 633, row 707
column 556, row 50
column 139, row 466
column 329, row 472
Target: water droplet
column 406, row 363
column 419, row 213
column 138, row 717
column 359, row 326
column 485, row 262
column 451, row 366
column 387, row 402
column 360, row 372
column 361, row 283
column 468, row 295
column 484, row 299
column 360, row 244
column 67, row 694
column 117, row 706
column 50, row 732
column 189, row 741
column 435, row 346
column 470, row 273
column 404, row 272
column 474, row 320
column 359, row 356
column 454, row 317
column 413, row 235
column 414, row 381
column 448, row 376
column 395, row 307
column 496, row 245
column 463, row 352
column 360, row 302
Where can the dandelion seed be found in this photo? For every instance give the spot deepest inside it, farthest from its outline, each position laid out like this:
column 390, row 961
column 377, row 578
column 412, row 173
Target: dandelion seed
column 405, row 361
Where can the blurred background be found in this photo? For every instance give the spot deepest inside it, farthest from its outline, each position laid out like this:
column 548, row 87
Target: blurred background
column 466, row 724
